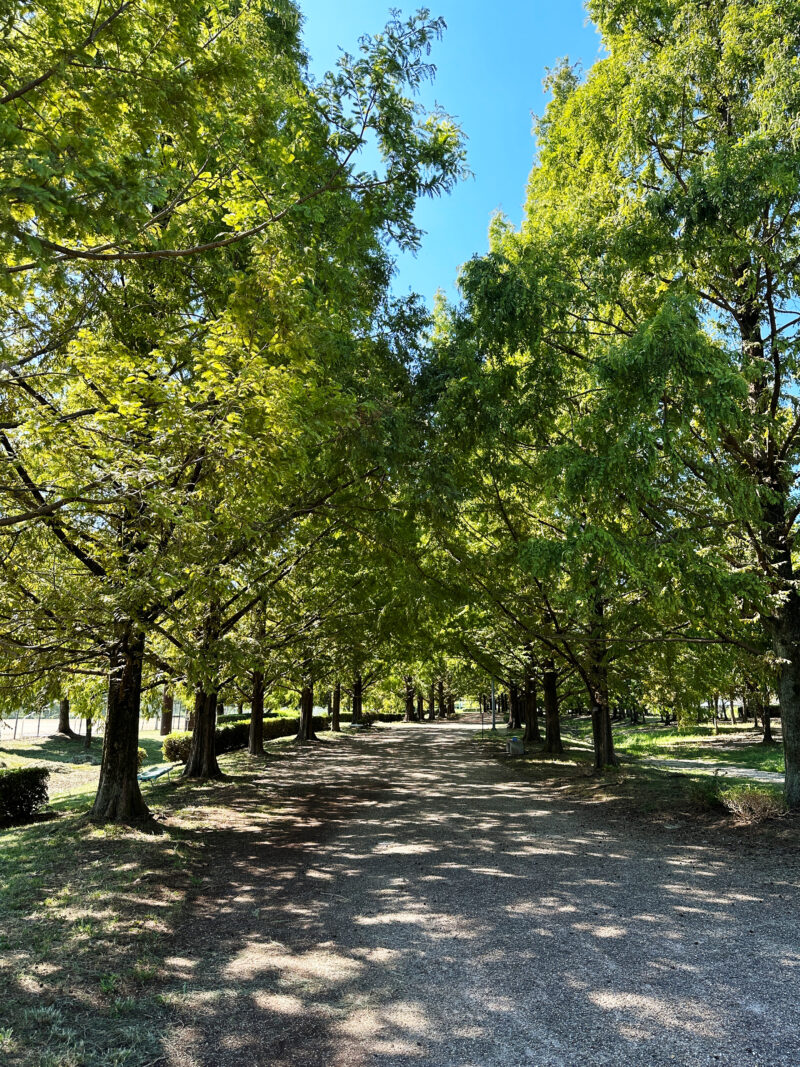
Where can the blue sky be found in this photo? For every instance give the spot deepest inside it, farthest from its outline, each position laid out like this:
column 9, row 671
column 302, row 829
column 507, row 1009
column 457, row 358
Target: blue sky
column 490, row 66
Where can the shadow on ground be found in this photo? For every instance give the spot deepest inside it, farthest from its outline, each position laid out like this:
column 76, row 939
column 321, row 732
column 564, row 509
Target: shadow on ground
column 402, row 899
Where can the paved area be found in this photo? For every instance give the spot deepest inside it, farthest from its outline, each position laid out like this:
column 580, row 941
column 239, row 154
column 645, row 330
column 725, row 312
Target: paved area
column 402, row 900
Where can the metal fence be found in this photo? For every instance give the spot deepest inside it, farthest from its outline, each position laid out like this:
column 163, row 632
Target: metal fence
column 25, row 726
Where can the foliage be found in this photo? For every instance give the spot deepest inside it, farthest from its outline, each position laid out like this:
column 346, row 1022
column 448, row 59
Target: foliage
column 23, row 793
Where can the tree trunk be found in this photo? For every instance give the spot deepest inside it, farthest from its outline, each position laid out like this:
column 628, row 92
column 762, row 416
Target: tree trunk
column 336, row 705
column 202, row 762
column 440, row 699
column 119, row 798
column 420, row 706
column 306, row 730
column 358, row 696
column 766, row 718
column 604, row 755
column 451, row 705
column 410, row 695
column 531, row 711
column 432, row 702
column 88, row 742
column 63, row 719
column 255, row 745
column 516, row 708
column 552, row 722
column 167, row 707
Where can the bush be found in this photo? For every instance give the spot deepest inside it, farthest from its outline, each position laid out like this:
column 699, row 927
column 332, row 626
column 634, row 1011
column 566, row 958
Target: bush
column 233, row 735
column 142, row 756
column 753, row 803
column 176, row 746
column 369, row 717
column 23, row 794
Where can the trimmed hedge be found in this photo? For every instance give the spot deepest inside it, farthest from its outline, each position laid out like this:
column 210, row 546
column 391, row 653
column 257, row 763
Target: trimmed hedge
column 23, row 794
column 369, row 717
column 233, row 735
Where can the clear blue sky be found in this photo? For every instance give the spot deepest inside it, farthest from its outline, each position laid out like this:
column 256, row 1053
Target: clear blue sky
column 490, row 66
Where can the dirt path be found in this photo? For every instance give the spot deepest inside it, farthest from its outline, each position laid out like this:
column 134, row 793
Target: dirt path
column 407, row 901
column 729, row 770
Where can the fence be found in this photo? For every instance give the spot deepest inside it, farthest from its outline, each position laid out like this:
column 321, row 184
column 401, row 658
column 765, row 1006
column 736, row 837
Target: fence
column 25, row 726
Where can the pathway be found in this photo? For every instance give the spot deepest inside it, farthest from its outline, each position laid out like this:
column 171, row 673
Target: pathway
column 403, row 900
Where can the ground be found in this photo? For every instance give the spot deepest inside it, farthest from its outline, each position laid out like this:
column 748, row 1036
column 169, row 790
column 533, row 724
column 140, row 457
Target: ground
column 404, row 897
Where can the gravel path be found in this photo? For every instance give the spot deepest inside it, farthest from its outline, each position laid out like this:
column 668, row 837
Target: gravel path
column 403, row 899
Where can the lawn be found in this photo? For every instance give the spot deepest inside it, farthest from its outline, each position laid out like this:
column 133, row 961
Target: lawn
column 89, row 912
column 72, row 767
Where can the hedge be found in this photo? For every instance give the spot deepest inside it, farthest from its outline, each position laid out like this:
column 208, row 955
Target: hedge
column 233, row 735
column 23, row 794
column 369, row 717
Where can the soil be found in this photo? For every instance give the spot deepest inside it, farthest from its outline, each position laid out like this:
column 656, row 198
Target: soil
column 404, row 898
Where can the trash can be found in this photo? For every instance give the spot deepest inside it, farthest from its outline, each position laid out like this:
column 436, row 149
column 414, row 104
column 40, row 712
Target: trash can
column 515, row 746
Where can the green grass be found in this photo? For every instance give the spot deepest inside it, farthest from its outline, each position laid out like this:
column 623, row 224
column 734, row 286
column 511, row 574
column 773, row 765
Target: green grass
column 73, row 768
column 731, row 746
column 87, row 916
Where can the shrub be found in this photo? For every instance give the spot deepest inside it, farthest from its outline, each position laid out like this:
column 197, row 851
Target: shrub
column 176, row 746
column 369, row 717
column 23, row 793
column 233, row 735
column 753, row 803
column 142, row 756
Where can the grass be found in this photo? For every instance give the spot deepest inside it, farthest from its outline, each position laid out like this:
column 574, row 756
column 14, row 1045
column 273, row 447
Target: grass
column 654, row 792
column 88, row 913
column 734, row 745
column 72, row 767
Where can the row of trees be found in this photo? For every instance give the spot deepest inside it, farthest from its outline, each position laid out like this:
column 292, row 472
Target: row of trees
column 232, row 461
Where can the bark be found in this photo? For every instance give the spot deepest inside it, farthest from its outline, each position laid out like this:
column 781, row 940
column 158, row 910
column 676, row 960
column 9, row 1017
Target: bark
column 451, row 706
column 440, row 699
column 766, row 718
column 358, row 697
column 167, row 707
column 119, row 798
column 531, row 711
column 202, row 762
column 336, row 705
column 552, row 722
column 255, row 745
column 516, row 706
column 420, row 706
column 306, row 730
column 410, row 695
column 604, row 755
column 432, row 702
column 63, row 719
column 88, row 742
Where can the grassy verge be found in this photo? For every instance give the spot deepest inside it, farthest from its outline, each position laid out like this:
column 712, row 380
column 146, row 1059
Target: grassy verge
column 645, row 790
column 88, row 915
column 734, row 745
column 72, row 767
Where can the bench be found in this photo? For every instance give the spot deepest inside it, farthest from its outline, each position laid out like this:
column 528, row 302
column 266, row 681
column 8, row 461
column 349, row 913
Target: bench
column 157, row 772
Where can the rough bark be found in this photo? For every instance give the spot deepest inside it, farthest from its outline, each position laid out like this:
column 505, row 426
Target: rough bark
column 515, row 705
column 167, row 708
column 63, row 719
column 255, row 743
column 88, row 740
column 604, row 755
column 552, row 721
column 420, row 707
column 531, row 711
column 119, row 798
column 306, row 730
column 202, row 762
column 451, row 706
column 432, row 702
column 410, row 699
column 336, row 706
column 440, row 699
column 358, row 697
